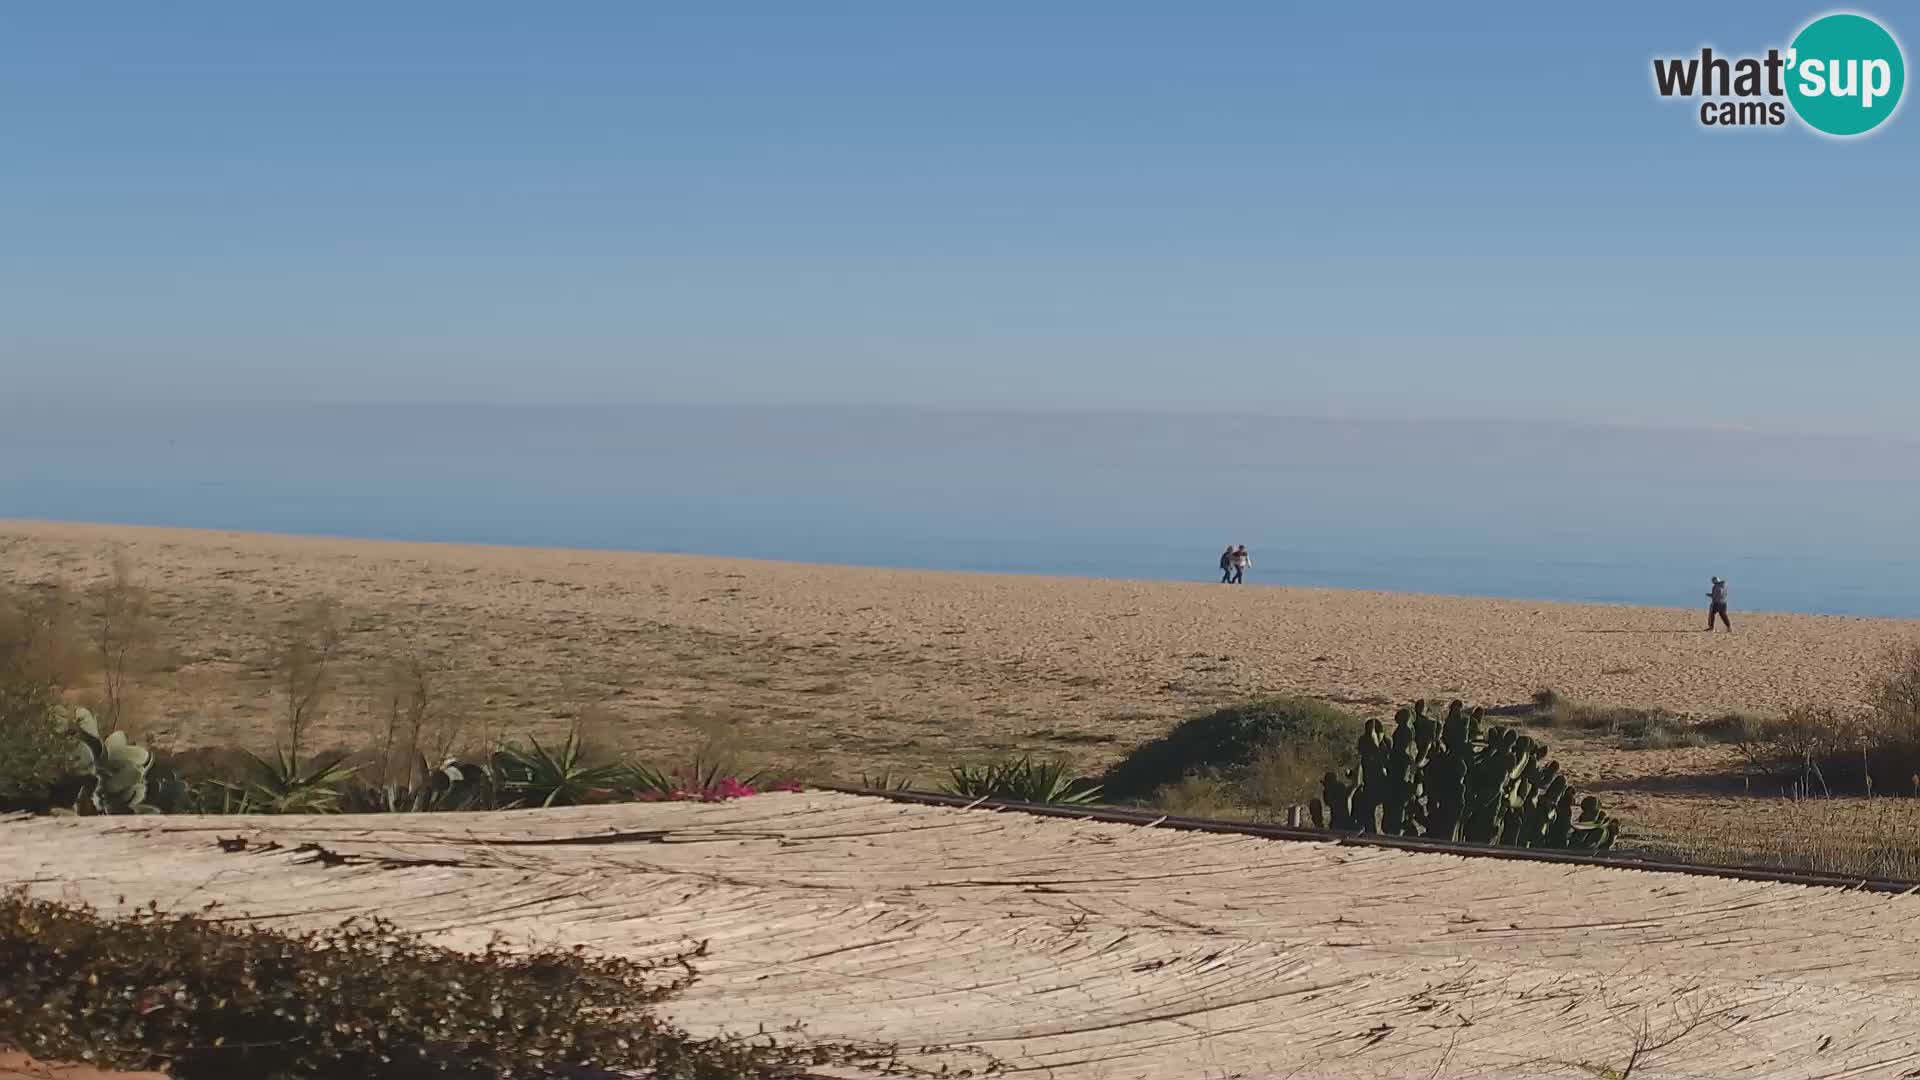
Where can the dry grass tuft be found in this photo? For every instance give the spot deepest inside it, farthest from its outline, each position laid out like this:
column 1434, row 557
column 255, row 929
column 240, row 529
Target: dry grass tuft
column 1636, row 727
column 1866, row 838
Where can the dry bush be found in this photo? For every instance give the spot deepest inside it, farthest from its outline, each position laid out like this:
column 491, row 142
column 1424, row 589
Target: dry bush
column 1284, row 776
column 417, row 723
column 1894, row 693
column 1637, row 728
column 599, row 731
column 1201, row 797
column 40, row 639
column 1733, row 727
column 1823, row 748
column 121, row 632
column 1893, row 730
column 306, row 662
column 1866, row 838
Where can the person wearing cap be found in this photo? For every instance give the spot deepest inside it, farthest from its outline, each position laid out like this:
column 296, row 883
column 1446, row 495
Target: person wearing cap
column 1717, row 605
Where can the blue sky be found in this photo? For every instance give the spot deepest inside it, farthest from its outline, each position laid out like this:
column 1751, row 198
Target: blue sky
column 1336, row 210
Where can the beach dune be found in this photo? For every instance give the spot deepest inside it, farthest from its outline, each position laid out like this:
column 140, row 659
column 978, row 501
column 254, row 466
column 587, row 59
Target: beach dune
column 853, row 668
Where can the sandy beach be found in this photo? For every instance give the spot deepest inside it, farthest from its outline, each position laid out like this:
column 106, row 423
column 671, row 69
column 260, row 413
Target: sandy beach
column 849, row 668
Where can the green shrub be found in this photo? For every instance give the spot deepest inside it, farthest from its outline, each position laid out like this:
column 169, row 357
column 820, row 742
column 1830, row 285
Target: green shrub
column 206, row 998
column 53, row 758
column 1274, row 749
column 37, row 752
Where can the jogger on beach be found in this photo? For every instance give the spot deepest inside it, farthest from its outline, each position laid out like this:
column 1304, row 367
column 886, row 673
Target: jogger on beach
column 1717, row 605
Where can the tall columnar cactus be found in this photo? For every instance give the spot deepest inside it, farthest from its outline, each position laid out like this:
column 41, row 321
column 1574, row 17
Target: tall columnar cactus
column 1456, row 779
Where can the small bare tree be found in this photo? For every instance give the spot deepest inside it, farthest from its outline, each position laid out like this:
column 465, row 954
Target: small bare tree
column 1894, row 692
column 306, row 663
column 39, row 639
column 418, row 725
column 122, row 630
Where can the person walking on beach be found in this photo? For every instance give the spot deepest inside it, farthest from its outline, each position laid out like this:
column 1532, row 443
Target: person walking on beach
column 1240, row 560
column 1717, row 605
column 1226, row 565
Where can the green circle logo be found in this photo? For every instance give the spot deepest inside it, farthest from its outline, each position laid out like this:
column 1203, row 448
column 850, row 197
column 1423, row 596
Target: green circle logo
column 1845, row 74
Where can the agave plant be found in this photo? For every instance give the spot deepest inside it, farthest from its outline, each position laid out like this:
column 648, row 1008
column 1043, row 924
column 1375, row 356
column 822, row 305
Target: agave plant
column 167, row 791
column 886, row 780
column 450, row 786
column 639, row 778
column 286, row 787
column 1021, row 779
column 701, row 780
column 542, row 777
column 221, row 797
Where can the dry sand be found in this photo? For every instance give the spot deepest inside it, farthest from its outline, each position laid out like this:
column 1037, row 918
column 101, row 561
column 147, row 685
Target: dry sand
column 832, row 670
column 1080, row 950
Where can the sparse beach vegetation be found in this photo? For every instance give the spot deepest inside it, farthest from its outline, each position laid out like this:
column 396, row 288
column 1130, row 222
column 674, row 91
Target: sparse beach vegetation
column 344, row 723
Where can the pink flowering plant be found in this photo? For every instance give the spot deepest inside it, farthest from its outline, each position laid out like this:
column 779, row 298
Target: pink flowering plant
column 697, row 782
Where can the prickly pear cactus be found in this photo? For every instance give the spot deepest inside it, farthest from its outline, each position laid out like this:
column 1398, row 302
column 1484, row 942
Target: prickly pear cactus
column 115, row 769
column 1459, row 779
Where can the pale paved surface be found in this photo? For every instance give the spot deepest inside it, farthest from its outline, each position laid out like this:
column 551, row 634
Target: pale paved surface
column 1088, row 950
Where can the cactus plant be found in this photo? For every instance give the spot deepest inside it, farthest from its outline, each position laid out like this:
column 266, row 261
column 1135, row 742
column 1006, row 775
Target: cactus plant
column 113, row 769
column 1458, row 779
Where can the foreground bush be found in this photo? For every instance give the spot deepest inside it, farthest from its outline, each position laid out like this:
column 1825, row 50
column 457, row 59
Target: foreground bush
column 207, row 999
column 1268, row 753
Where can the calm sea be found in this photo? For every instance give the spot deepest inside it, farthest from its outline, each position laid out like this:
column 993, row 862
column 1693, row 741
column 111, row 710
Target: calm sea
column 1827, row 525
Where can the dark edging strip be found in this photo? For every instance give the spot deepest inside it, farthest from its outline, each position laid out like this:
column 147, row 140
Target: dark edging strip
column 1118, row 816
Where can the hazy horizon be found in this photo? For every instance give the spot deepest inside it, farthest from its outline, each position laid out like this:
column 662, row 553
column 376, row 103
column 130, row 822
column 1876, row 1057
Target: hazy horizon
column 133, row 405
column 1539, row 510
